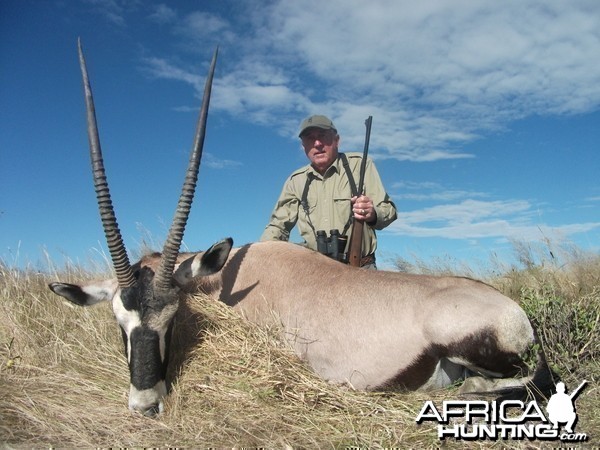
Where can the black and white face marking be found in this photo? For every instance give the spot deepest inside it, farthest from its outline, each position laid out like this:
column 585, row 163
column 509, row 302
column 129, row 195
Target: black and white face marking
column 146, row 318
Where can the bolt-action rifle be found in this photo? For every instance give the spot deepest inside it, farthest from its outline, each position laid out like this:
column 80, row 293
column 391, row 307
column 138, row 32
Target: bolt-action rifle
column 355, row 249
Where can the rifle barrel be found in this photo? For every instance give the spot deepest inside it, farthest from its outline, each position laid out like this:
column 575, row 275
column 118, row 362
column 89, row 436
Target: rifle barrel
column 363, row 163
column 355, row 245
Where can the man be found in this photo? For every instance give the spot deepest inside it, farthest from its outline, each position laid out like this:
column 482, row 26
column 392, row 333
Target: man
column 320, row 195
column 561, row 407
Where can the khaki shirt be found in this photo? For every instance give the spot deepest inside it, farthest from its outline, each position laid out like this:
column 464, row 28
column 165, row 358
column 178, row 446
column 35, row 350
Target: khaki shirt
column 329, row 204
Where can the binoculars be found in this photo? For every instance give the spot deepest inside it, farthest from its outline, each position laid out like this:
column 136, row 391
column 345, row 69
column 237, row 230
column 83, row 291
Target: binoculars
column 333, row 245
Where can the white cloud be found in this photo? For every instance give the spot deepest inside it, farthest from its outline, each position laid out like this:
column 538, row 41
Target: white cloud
column 254, row 97
column 161, row 68
column 476, row 219
column 163, row 14
column 199, row 29
column 434, row 74
column 452, row 69
column 430, row 191
column 114, row 11
column 213, row 162
column 203, row 24
column 468, row 211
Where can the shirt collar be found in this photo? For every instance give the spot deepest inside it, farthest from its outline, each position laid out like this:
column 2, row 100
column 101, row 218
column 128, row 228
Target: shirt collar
column 335, row 167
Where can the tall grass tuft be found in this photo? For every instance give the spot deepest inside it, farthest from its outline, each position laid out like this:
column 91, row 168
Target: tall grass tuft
column 559, row 288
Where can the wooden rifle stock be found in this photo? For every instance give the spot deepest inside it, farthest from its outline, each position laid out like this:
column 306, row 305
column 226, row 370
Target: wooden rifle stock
column 355, row 251
column 356, row 237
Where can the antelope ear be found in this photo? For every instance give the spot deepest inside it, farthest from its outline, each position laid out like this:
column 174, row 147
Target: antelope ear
column 88, row 294
column 203, row 264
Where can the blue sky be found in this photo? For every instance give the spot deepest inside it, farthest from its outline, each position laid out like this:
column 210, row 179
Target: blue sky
column 486, row 118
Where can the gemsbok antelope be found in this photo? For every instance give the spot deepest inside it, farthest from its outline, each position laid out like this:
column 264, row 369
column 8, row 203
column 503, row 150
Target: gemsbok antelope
column 374, row 330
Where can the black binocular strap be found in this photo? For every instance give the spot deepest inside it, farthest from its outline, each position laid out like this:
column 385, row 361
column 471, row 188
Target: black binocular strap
column 304, row 201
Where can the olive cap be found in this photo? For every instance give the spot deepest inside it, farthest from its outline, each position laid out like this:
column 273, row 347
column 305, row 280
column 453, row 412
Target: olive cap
column 316, row 121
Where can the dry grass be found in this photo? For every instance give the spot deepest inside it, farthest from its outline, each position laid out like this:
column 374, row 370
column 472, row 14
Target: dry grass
column 64, row 382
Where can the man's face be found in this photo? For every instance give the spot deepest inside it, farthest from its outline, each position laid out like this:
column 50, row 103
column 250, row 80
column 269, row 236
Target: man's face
column 321, row 147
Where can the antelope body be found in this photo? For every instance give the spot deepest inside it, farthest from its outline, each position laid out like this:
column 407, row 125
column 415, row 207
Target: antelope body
column 372, row 329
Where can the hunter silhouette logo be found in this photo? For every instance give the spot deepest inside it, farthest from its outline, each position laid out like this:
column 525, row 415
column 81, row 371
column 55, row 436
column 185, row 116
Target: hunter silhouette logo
column 561, row 406
column 509, row 419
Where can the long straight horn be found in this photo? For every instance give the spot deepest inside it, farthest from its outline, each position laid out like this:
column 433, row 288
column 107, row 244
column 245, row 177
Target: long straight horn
column 116, row 247
column 164, row 274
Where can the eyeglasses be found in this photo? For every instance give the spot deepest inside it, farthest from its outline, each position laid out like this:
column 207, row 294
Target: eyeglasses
column 324, row 136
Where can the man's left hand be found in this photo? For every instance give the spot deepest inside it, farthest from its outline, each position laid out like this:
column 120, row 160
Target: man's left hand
column 363, row 209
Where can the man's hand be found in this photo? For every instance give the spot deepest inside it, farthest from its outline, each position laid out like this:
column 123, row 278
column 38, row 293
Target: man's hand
column 363, row 209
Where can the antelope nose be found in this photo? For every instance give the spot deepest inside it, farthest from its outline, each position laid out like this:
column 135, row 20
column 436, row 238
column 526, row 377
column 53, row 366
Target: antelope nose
column 151, row 410
column 147, row 401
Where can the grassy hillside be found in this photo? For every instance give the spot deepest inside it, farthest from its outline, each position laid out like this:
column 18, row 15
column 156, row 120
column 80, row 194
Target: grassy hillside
column 64, row 379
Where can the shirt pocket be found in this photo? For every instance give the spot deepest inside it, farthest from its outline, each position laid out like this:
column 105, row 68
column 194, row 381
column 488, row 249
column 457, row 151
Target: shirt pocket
column 342, row 209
